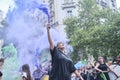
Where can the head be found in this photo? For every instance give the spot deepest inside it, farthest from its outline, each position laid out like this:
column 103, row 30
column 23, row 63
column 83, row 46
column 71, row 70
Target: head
column 90, row 66
column 117, row 60
column 61, row 46
column 1, row 61
column 109, row 63
column 101, row 59
column 25, row 68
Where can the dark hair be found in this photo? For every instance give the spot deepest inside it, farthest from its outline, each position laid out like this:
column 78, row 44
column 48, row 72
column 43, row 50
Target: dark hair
column 59, row 43
column 2, row 60
column 26, row 69
column 116, row 59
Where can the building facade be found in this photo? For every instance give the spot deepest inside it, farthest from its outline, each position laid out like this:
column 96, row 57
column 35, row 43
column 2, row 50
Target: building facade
column 1, row 18
column 108, row 3
column 1, row 26
column 62, row 9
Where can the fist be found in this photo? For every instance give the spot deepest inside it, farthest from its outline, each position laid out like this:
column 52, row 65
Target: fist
column 48, row 26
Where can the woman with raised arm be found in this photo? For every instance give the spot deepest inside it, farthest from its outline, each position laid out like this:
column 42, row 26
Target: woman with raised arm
column 62, row 65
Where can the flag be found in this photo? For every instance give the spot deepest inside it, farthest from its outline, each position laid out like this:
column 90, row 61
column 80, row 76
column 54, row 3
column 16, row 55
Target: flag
column 102, row 75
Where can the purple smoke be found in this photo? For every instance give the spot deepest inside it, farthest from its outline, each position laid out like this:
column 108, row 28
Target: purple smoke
column 26, row 30
column 43, row 7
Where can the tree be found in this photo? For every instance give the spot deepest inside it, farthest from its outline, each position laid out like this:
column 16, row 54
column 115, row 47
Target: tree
column 94, row 31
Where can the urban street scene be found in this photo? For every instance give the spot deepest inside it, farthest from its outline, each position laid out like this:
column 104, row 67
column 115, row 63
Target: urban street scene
column 59, row 39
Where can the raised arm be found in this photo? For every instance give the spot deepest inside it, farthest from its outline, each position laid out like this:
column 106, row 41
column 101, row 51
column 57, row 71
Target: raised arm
column 49, row 37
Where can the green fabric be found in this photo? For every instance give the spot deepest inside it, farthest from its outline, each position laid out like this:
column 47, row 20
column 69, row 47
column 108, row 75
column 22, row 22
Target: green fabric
column 102, row 75
column 84, row 61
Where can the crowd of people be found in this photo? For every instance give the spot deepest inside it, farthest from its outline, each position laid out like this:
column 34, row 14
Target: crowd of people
column 100, row 70
column 62, row 67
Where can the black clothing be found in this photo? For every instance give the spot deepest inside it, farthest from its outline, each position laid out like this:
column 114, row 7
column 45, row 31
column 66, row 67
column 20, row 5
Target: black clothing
column 84, row 76
column 103, row 67
column 1, row 74
column 62, row 66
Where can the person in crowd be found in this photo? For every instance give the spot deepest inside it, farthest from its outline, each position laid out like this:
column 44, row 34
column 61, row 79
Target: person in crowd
column 115, row 67
column 38, row 73
column 84, row 73
column 74, row 77
column 94, row 74
column 1, row 64
column 62, row 65
column 90, row 75
column 117, row 60
column 102, row 69
column 26, row 75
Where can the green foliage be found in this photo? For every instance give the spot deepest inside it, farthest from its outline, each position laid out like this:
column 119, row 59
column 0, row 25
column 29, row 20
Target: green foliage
column 94, row 31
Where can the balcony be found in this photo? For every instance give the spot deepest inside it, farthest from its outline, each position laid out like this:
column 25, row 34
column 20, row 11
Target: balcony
column 68, row 5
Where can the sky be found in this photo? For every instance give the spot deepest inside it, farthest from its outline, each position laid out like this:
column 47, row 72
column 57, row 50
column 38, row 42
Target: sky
column 4, row 4
column 118, row 3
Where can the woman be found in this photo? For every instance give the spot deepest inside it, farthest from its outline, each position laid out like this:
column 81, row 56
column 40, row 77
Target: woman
column 62, row 66
column 102, row 69
column 117, row 60
column 115, row 66
column 1, row 63
column 26, row 72
column 84, row 73
column 90, row 74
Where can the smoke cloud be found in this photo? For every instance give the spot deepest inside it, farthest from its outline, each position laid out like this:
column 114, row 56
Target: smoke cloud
column 26, row 30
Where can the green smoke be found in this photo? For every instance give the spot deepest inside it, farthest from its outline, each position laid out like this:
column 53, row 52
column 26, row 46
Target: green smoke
column 10, row 68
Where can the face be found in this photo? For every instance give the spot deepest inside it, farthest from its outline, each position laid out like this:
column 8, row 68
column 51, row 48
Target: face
column 90, row 66
column 101, row 59
column 118, row 62
column 61, row 46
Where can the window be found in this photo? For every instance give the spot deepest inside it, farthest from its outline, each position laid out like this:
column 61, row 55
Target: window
column 104, row 0
column 112, row 0
column 113, row 4
column 69, row 13
column 68, row 1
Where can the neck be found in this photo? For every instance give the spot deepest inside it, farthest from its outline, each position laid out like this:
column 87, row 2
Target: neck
column 62, row 50
column 102, row 62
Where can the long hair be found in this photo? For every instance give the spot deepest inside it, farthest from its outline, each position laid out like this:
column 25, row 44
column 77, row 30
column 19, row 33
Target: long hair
column 26, row 69
column 2, row 60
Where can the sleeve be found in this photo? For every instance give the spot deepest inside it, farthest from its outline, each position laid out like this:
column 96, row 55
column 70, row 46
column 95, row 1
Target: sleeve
column 52, row 52
column 72, row 67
